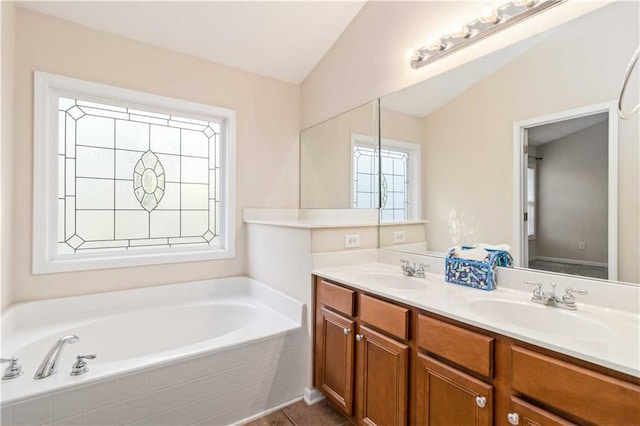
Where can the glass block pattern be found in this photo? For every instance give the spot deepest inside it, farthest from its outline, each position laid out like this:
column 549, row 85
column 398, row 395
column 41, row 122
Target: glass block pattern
column 394, row 184
column 132, row 179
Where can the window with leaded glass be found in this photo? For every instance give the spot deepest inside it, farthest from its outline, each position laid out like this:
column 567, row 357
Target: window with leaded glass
column 395, row 187
column 139, row 178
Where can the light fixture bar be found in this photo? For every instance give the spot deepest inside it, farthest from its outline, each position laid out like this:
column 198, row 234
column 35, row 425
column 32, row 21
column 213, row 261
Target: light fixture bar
column 490, row 22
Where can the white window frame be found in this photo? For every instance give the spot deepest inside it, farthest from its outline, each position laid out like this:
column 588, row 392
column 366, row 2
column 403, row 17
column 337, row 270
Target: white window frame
column 47, row 89
column 414, row 171
column 534, row 204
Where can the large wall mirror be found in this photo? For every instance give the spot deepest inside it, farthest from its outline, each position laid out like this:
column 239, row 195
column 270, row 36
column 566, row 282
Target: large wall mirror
column 568, row 202
column 339, row 161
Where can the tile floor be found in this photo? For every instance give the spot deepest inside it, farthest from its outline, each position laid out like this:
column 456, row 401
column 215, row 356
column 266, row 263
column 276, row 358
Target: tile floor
column 301, row 414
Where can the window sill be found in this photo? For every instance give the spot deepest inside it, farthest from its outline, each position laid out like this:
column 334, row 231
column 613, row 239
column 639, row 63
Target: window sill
column 126, row 259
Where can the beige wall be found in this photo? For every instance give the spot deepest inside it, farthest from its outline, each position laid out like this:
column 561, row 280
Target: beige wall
column 471, row 137
column 325, row 158
column 368, row 60
column 8, row 27
column 572, row 196
column 267, row 139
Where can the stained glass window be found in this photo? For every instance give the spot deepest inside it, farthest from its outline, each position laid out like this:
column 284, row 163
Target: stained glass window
column 131, row 178
column 394, row 184
column 125, row 178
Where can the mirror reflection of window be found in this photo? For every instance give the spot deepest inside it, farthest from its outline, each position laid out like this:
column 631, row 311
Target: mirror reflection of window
column 395, row 185
column 400, row 171
column 365, row 176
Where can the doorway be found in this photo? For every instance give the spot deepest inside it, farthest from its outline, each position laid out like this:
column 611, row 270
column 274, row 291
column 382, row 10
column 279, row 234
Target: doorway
column 566, row 194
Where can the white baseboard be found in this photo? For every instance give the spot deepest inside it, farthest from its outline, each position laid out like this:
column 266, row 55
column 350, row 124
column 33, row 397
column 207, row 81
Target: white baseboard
column 312, row 395
column 267, row 412
column 570, row 261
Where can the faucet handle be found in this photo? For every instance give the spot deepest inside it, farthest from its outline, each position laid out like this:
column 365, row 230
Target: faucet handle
column 570, row 291
column 14, row 369
column 569, row 299
column 80, row 366
column 537, row 292
column 422, row 269
column 538, row 284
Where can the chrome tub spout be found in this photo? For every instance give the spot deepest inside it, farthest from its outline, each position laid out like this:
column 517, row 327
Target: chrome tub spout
column 50, row 363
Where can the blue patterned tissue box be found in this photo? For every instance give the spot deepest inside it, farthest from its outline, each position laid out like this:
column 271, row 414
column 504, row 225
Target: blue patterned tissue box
column 476, row 274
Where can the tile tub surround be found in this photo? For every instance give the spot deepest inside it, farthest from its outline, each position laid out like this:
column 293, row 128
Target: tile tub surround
column 620, row 351
column 220, row 388
column 238, row 373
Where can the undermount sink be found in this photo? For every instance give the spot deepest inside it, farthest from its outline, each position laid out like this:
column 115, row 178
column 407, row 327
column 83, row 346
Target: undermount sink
column 393, row 280
column 545, row 319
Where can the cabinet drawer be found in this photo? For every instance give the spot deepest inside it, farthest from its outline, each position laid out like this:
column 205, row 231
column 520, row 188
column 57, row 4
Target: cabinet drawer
column 529, row 414
column 463, row 347
column 339, row 298
column 575, row 390
column 386, row 316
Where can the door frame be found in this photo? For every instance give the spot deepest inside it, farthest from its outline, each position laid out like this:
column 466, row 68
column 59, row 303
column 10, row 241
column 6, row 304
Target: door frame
column 520, row 243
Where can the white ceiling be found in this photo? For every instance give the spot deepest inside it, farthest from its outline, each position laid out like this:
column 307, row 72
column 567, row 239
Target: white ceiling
column 540, row 135
column 283, row 40
column 423, row 98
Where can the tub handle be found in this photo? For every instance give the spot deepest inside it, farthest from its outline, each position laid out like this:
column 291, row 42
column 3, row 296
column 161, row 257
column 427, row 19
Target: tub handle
column 80, row 366
column 14, row 369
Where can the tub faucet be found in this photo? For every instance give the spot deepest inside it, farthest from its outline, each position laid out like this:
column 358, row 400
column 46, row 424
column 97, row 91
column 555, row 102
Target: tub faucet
column 50, row 363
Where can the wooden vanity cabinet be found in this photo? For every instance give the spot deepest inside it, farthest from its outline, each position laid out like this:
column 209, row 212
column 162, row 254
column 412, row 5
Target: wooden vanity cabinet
column 386, row 364
column 445, row 394
column 526, row 414
column 573, row 390
column 335, row 343
column 383, row 374
column 362, row 354
column 335, row 359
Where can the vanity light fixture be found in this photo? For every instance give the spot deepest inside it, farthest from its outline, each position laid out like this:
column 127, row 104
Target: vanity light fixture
column 435, row 45
column 460, row 30
column 491, row 20
column 489, row 15
column 526, row 3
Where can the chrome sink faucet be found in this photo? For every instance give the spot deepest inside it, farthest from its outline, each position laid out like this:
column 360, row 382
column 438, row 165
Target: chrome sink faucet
column 50, row 363
column 549, row 298
column 412, row 271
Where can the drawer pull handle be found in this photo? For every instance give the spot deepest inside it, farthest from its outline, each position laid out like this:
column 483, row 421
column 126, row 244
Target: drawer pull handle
column 481, row 401
column 513, row 418
column 358, row 337
column 346, row 331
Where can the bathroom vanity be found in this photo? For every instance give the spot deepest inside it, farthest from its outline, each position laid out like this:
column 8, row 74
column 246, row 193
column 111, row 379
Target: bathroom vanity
column 391, row 354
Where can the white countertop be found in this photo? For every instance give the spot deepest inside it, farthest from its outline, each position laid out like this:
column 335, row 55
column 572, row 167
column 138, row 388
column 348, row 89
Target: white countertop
column 603, row 336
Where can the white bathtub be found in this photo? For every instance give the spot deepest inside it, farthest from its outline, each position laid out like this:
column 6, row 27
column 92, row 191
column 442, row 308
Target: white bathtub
column 217, row 352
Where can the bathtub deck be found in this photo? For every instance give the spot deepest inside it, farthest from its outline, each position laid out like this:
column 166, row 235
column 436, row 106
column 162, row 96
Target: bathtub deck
column 301, row 414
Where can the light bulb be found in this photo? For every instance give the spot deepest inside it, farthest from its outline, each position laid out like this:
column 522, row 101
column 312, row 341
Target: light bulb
column 459, row 30
column 434, row 44
column 410, row 53
column 527, row 3
column 489, row 15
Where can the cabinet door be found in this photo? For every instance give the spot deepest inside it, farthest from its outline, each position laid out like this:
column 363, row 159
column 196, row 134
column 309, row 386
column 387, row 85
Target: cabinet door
column 446, row 396
column 524, row 414
column 382, row 379
column 334, row 355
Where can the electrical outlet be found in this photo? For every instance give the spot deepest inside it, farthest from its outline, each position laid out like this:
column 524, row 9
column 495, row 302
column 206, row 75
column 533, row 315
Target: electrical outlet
column 351, row 240
column 582, row 245
column 398, row 237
